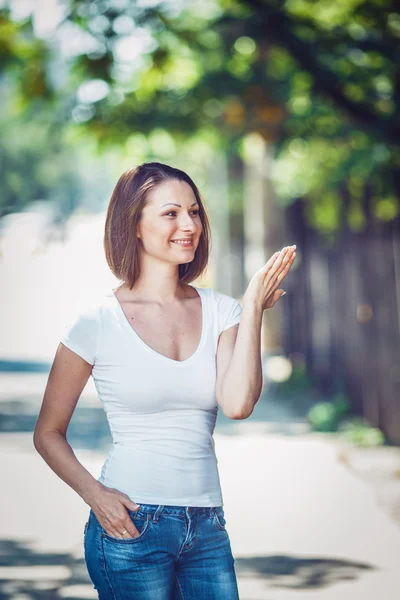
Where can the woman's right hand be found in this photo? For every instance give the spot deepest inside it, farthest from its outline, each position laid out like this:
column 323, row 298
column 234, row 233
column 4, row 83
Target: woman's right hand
column 109, row 505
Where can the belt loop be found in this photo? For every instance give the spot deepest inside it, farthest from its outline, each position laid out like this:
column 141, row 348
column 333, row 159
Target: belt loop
column 157, row 513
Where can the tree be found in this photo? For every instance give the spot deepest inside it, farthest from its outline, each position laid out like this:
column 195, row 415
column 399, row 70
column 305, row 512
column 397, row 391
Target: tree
column 318, row 80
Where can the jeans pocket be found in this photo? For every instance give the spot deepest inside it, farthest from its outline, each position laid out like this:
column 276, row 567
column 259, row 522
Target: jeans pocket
column 141, row 523
column 219, row 518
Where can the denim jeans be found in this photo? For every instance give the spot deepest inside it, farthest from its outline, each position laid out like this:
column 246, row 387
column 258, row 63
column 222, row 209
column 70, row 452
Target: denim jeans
column 181, row 553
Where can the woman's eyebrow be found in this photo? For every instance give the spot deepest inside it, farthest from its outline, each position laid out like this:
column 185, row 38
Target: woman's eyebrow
column 180, row 205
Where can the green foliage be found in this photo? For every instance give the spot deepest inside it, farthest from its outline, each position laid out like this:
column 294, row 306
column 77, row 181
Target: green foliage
column 359, row 432
column 322, row 417
column 326, row 416
column 26, row 57
column 317, row 79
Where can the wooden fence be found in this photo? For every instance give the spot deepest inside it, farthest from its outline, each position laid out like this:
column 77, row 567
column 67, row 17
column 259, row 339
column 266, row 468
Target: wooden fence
column 344, row 315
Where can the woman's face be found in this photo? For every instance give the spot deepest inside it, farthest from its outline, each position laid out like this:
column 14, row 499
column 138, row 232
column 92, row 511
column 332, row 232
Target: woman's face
column 171, row 214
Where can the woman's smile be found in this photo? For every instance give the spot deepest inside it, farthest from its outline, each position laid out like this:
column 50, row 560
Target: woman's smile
column 183, row 244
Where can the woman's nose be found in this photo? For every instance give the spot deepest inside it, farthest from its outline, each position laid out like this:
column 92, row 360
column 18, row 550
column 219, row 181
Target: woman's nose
column 188, row 223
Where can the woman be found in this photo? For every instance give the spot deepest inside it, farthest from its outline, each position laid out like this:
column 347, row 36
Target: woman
column 164, row 355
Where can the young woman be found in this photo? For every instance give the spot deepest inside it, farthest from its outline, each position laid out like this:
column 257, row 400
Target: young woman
column 164, row 355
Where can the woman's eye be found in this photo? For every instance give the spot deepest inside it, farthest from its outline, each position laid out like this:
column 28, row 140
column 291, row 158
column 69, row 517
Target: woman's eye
column 173, row 212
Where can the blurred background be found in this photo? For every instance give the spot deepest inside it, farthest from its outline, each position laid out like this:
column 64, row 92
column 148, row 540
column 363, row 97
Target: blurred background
column 286, row 114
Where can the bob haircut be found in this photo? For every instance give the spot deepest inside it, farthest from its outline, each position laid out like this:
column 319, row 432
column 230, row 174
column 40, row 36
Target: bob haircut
column 128, row 199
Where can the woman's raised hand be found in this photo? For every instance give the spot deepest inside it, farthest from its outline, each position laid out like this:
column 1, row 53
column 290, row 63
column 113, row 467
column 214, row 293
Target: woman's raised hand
column 109, row 506
column 263, row 289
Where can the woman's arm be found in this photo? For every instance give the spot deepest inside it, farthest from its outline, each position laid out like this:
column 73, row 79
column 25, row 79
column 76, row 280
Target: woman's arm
column 239, row 365
column 241, row 383
column 67, row 378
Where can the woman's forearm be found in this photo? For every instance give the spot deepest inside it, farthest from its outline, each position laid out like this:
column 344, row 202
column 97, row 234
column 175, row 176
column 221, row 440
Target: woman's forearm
column 58, row 454
column 243, row 380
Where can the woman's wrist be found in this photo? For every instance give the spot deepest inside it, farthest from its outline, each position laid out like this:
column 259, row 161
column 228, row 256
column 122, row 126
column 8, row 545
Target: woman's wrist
column 91, row 491
column 252, row 304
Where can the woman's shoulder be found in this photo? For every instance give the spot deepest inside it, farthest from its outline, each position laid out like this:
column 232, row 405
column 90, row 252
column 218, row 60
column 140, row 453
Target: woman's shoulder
column 222, row 297
column 87, row 315
column 83, row 325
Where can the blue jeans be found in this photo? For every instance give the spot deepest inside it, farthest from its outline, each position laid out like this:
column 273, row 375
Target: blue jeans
column 182, row 553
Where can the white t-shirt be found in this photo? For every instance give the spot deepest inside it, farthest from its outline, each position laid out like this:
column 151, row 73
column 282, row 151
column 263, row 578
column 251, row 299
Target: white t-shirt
column 161, row 412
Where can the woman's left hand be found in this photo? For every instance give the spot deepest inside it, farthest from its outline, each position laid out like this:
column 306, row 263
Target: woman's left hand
column 263, row 289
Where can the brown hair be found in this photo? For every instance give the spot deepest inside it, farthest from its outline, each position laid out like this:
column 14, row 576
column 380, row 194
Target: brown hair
column 127, row 201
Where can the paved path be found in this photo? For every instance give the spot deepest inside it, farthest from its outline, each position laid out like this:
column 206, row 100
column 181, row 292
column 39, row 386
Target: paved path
column 301, row 525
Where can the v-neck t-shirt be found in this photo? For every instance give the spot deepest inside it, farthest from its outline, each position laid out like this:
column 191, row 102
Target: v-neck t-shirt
column 161, row 412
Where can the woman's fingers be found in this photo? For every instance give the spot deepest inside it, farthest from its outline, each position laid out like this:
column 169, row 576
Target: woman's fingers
column 267, row 280
column 277, row 260
column 127, row 526
column 130, row 528
column 116, row 526
column 287, row 263
column 273, row 261
column 280, row 260
column 274, row 280
column 275, row 274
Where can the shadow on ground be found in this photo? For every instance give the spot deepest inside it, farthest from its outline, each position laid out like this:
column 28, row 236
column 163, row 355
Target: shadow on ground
column 40, row 576
column 89, row 429
column 299, row 573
